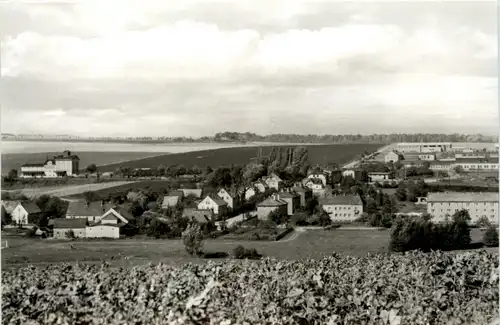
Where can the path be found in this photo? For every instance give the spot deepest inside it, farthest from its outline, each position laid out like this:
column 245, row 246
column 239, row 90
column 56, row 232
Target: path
column 353, row 163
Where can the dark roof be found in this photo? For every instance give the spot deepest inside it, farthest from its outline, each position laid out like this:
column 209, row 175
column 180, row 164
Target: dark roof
column 348, row 199
column 33, row 165
column 93, row 209
column 379, row 173
column 30, row 207
column 287, row 195
column 301, row 189
column 69, row 223
column 217, row 200
column 471, row 160
column 270, row 202
column 71, row 157
column 463, row 197
column 176, row 193
column 9, row 205
column 195, row 191
column 123, row 211
column 201, row 216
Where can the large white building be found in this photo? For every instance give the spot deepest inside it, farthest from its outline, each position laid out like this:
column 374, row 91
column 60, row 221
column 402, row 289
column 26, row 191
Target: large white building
column 443, row 205
column 342, row 208
column 424, row 147
column 59, row 166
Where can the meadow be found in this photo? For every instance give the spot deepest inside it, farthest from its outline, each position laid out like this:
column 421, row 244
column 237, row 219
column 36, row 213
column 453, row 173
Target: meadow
column 122, row 188
column 16, row 160
column 318, row 154
column 313, row 244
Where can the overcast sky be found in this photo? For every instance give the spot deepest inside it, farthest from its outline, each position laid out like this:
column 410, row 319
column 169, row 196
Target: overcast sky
column 194, row 68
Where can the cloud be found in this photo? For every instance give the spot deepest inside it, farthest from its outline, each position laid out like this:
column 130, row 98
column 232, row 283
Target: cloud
column 187, row 69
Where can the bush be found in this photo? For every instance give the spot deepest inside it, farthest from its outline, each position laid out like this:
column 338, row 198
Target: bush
column 70, row 234
column 193, row 239
column 490, row 237
column 31, row 232
column 241, row 252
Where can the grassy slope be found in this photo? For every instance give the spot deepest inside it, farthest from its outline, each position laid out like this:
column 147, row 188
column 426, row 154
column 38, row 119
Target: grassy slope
column 16, row 160
column 154, row 185
column 318, row 154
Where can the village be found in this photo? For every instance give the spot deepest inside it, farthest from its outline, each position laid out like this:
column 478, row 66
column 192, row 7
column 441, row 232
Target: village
column 371, row 191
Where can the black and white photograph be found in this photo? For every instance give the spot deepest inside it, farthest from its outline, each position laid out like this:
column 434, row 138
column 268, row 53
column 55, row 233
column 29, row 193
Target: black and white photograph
column 239, row 162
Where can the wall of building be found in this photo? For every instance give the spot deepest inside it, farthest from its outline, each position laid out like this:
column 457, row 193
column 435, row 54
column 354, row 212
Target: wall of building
column 20, row 216
column 440, row 210
column 263, row 212
column 249, row 193
column 102, row 232
column 60, row 233
column 343, row 213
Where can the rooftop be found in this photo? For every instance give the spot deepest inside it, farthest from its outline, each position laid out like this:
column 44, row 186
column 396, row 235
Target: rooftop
column 347, row 199
column 69, row 223
column 270, row 202
column 463, row 197
column 30, row 207
column 91, row 209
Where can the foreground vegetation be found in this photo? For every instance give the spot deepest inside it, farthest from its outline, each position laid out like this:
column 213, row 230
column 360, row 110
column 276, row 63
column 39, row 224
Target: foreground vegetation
column 411, row 288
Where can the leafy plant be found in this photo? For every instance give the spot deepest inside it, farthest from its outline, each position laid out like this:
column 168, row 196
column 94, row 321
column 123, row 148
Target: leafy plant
column 490, row 237
column 192, row 237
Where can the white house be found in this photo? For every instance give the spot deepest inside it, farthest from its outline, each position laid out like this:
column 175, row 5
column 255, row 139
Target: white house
column 342, row 208
column 91, row 211
column 172, row 199
column 349, row 172
column 59, row 166
column 393, row 156
column 63, row 227
column 427, row 157
column 108, row 226
column 250, row 192
column 211, row 203
column 269, row 205
column 25, row 213
column 274, row 181
column 231, row 197
column 261, row 186
column 379, row 176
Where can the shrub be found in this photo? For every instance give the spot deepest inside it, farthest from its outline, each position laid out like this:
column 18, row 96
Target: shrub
column 490, row 237
column 193, row 239
column 241, row 252
column 32, row 232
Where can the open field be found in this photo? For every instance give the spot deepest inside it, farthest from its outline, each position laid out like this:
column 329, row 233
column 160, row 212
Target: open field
column 297, row 245
column 125, row 187
column 16, row 160
column 71, row 190
column 318, row 154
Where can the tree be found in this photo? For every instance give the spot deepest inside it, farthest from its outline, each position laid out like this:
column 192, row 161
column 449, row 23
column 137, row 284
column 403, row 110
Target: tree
column 90, row 196
column 157, row 228
column 136, row 209
column 12, row 174
column 426, row 165
column 458, row 169
column 91, row 169
column 277, row 217
column 192, row 237
column 401, row 192
column 221, row 177
column 490, row 237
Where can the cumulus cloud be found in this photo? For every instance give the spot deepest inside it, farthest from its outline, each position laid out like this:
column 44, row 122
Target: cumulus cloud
column 265, row 67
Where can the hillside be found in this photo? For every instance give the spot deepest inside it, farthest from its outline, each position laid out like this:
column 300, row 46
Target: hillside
column 317, row 154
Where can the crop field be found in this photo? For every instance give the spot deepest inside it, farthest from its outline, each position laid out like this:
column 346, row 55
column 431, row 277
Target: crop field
column 73, row 190
column 318, row 154
column 16, row 160
column 398, row 289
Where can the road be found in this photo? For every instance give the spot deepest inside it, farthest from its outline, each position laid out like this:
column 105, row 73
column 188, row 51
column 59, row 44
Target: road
column 353, row 163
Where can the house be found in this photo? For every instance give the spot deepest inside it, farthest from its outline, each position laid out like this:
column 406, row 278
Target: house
column 427, row 157
column 320, row 176
column 9, row 206
column 231, row 197
column 274, row 181
column 393, row 156
column 269, row 205
column 356, row 174
column 305, row 193
column 315, row 184
column 63, row 226
column 342, row 208
column 172, row 199
column 197, row 192
column 379, row 176
column 424, row 147
column 215, row 204
column 25, row 212
column 250, row 191
column 59, row 166
column 440, row 165
column 261, row 186
column 91, row 211
column 292, row 200
column 108, row 226
column 445, row 204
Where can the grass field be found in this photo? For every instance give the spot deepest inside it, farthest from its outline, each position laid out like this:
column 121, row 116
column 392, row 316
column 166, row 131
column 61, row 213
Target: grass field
column 125, row 187
column 73, row 190
column 318, row 154
column 16, row 160
column 309, row 244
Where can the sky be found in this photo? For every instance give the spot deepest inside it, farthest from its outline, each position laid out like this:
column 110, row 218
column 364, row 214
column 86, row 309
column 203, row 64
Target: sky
column 195, row 68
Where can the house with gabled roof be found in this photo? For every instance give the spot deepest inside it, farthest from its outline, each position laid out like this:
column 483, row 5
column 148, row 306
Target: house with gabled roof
column 214, row 204
column 250, row 191
column 231, row 197
column 261, row 186
column 273, row 181
column 62, row 227
column 343, row 207
column 25, row 212
column 91, row 211
column 196, row 215
column 172, row 199
column 269, row 205
column 393, row 156
column 197, row 192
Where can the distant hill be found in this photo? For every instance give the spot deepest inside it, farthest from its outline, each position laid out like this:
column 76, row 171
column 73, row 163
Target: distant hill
column 317, row 154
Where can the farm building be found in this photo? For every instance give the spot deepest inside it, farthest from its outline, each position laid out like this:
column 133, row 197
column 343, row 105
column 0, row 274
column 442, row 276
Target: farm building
column 25, row 212
column 59, row 166
column 62, row 227
column 91, row 211
column 342, row 208
column 269, row 205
